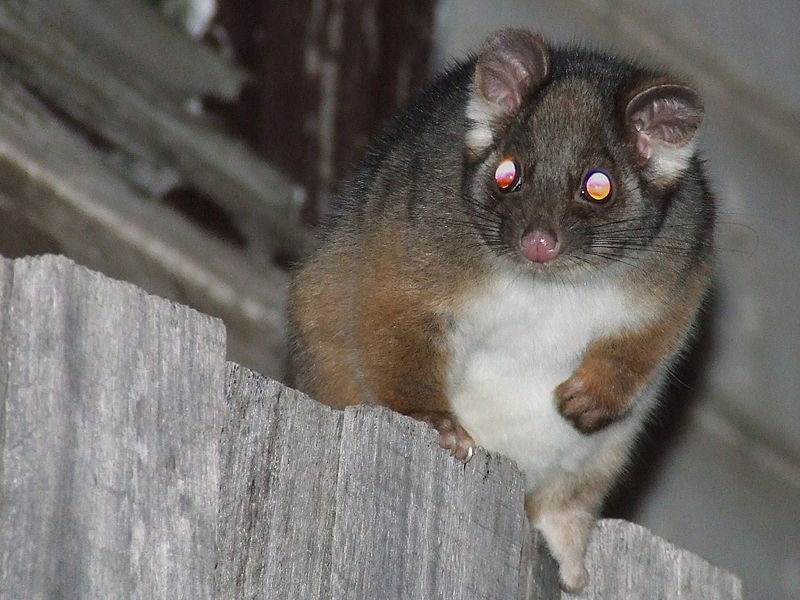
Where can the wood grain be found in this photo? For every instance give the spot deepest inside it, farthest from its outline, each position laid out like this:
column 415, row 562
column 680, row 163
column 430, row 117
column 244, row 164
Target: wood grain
column 112, row 407
column 418, row 523
column 627, row 561
column 279, row 457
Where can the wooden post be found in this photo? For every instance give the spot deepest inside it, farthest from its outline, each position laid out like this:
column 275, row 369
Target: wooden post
column 329, row 74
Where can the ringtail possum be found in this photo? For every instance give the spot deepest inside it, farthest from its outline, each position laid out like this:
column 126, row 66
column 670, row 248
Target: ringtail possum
column 518, row 261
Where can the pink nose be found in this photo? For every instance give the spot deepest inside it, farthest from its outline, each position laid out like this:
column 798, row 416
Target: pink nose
column 539, row 246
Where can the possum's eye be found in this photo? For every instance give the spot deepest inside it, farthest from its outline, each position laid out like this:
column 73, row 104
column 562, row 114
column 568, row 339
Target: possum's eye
column 596, row 187
column 506, row 176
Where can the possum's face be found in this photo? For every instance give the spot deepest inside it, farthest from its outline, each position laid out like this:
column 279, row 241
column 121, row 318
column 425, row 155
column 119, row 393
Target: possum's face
column 563, row 174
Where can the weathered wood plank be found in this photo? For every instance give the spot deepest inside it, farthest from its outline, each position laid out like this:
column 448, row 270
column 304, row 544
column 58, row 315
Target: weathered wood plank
column 627, row 561
column 279, row 456
column 410, row 522
column 6, row 279
column 57, row 182
column 121, row 105
column 177, row 66
column 413, row 523
column 113, row 404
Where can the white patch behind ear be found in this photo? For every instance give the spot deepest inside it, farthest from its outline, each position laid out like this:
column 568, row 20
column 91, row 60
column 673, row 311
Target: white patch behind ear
column 483, row 117
column 668, row 162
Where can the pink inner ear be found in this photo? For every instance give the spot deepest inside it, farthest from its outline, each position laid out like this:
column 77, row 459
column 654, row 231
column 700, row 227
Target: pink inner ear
column 512, row 64
column 669, row 114
column 670, row 121
column 642, row 145
column 500, row 90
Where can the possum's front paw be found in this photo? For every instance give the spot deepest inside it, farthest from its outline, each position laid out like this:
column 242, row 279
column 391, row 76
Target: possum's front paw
column 452, row 436
column 593, row 398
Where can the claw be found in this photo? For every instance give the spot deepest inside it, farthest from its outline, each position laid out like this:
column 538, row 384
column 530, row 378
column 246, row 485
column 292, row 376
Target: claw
column 452, row 436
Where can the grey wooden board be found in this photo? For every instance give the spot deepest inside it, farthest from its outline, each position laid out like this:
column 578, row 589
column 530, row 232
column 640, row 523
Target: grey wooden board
column 412, row 522
column 54, row 179
column 177, row 65
column 6, row 279
column 626, row 561
column 121, row 103
column 279, row 460
column 113, row 402
column 317, row 503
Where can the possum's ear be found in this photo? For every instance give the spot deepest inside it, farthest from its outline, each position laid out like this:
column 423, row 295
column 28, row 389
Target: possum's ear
column 663, row 120
column 511, row 66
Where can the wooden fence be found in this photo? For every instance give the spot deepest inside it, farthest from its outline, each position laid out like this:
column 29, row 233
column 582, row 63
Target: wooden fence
column 136, row 463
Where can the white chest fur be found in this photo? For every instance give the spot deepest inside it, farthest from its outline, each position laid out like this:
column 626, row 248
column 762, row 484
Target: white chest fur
column 513, row 342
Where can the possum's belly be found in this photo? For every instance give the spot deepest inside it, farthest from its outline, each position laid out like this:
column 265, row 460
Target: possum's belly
column 510, row 347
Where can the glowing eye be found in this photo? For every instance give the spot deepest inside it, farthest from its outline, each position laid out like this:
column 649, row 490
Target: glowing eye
column 597, row 186
column 506, row 174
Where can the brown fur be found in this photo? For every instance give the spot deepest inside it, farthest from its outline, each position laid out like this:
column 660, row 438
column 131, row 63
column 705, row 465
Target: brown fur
column 318, row 315
column 392, row 312
column 398, row 327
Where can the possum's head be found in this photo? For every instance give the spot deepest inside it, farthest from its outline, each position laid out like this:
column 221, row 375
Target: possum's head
column 573, row 157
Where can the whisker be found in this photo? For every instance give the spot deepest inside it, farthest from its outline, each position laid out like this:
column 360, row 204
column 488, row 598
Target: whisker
column 644, row 247
column 614, row 258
